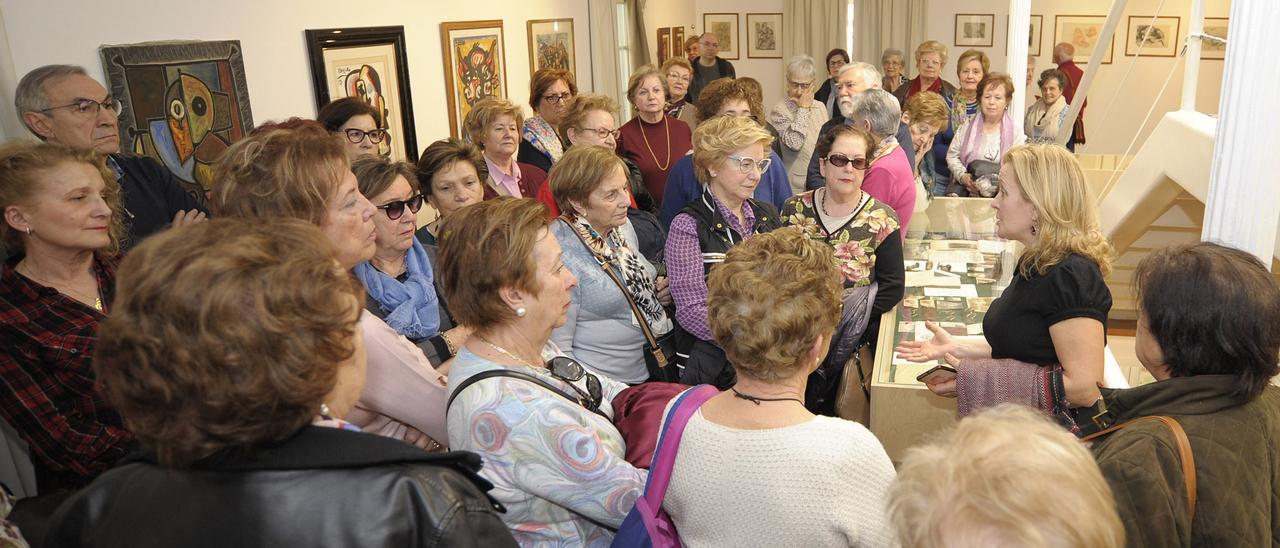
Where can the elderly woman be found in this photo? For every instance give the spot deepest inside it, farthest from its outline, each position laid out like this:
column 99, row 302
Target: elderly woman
column 730, row 155
column 399, row 278
column 494, row 125
column 930, row 57
column 235, row 378
column 1054, row 312
column 62, row 227
column 827, row 93
column 549, row 92
column 678, row 72
column 1045, row 117
column 293, row 169
column 974, row 155
column 602, row 329
column 451, row 174
column 691, row 47
column 891, row 64
column 355, row 122
column 771, row 309
column 971, row 68
column 926, row 114
column 1003, row 478
column 540, row 421
column 1209, row 332
column 798, row 119
column 653, row 140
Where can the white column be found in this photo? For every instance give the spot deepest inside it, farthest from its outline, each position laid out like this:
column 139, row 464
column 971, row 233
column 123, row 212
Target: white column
column 1019, row 27
column 1191, row 74
column 1243, row 206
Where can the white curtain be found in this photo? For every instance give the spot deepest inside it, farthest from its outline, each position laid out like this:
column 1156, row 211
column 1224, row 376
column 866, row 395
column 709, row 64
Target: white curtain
column 602, row 44
column 813, row 27
column 883, row 24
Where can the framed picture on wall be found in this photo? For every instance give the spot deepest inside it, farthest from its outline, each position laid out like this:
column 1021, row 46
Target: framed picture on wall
column 1083, row 32
column 1034, row 35
column 764, row 36
column 725, row 27
column 551, row 45
column 677, row 41
column 975, row 30
column 368, row 63
column 181, row 103
column 475, row 66
column 1152, row 37
column 664, row 44
column 1209, row 49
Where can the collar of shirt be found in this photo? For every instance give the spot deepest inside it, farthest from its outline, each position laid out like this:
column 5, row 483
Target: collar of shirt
column 509, row 182
column 748, row 214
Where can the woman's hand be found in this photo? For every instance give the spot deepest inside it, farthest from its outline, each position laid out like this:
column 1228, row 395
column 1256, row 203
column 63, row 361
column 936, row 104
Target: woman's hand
column 967, row 180
column 930, row 349
column 663, row 291
column 947, row 388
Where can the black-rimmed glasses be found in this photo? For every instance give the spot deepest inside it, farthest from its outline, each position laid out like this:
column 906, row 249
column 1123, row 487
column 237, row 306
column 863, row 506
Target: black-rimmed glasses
column 839, row 160
column 89, row 107
column 603, row 132
column 570, row 371
column 375, row 135
column 557, row 98
column 396, row 208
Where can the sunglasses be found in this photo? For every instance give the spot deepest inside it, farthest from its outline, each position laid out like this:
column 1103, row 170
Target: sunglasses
column 396, row 208
column 570, row 371
column 839, row 160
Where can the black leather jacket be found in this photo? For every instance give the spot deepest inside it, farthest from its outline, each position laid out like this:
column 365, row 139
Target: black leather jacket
column 323, row 487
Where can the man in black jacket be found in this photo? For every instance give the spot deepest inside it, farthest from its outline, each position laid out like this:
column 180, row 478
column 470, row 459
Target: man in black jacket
column 62, row 104
column 709, row 67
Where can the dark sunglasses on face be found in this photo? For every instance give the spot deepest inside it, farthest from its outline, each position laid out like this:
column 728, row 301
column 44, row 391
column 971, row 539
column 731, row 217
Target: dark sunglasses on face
column 570, row 371
column 375, row 135
column 396, row 208
column 839, row 160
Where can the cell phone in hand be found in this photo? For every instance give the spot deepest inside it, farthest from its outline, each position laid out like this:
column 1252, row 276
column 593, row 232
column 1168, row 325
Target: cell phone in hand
column 941, row 373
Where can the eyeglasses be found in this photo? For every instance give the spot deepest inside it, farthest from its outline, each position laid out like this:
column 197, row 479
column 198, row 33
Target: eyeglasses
column 557, row 97
column 800, row 85
column 748, row 164
column 677, row 78
column 396, row 208
column 840, row 160
column 570, row 371
column 89, row 107
column 746, row 115
column 603, row 133
column 375, row 135
column 836, row 63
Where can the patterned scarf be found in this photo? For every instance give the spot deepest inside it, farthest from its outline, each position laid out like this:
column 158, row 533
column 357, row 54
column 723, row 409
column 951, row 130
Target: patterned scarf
column 614, row 248
column 412, row 307
column 973, row 135
column 543, row 137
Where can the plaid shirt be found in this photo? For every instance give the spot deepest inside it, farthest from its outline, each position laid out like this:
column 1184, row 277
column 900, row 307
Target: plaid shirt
column 47, row 383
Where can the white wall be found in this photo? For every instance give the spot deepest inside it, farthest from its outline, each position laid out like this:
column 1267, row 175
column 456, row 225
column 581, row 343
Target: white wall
column 767, row 71
column 1116, row 108
column 668, row 13
column 271, row 33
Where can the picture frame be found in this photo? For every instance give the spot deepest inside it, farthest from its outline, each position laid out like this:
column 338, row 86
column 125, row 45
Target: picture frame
column 1035, row 35
column 1147, row 39
column 1083, row 32
column 677, row 41
column 551, row 45
column 475, row 66
column 370, row 63
column 764, row 35
column 1214, row 26
column 725, row 27
column 975, row 30
column 181, row 102
column 664, row 44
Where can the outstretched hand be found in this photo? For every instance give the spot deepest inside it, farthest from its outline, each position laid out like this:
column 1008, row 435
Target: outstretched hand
column 930, row 349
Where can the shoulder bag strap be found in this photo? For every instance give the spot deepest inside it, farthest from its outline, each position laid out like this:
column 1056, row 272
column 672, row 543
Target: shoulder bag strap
column 516, row 375
column 635, row 309
column 1184, row 451
column 664, row 455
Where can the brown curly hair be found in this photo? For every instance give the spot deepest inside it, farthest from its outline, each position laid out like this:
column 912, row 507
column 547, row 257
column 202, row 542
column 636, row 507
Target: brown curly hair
column 712, row 97
column 213, row 346
column 23, row 163
column 286, row 169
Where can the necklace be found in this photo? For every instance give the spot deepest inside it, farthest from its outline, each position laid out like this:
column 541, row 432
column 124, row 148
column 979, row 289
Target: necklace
column 822, row 203
column 75, row 295
column 506, row 352
column 756, row 399
column 645, row 137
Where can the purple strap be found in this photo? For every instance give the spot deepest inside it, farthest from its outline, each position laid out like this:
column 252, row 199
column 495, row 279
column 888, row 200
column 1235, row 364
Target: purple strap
column 664, row 457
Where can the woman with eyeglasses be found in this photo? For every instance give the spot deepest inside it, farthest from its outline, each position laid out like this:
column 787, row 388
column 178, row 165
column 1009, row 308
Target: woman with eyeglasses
column 399, row 279
column 355, row 122
column 542, row 424
column 798, row 119
column 494, row 125
column 549, row 92
column 653, row 140
column 451, row 174
column 971, row 68
column 930, row 56
column 678, row 73
column 864, row 234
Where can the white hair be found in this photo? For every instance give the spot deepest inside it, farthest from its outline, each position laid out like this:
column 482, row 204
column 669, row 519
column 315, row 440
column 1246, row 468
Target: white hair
column 880, row 108
column 870, row 74
column 802, row 67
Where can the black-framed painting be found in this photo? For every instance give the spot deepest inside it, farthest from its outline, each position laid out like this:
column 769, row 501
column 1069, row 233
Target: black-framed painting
column 551, row 45
column 475, row 66
column 182, row 103
column 369, row 63
column 1149, row 36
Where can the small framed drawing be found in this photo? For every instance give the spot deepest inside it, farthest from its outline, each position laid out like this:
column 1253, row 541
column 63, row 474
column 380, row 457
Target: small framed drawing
column 764, row 36
column 369, row 63
column 1082, row 32
column 664, row 44
column 1034, row 35
column 475, row 66
column 1210, row 49
column 551, row 45
column 1152, row 37
column 975, row 30
column 725, row 27
column 677, row 41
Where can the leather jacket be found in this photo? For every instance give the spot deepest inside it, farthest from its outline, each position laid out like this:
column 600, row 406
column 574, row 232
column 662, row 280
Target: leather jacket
column 322, row 487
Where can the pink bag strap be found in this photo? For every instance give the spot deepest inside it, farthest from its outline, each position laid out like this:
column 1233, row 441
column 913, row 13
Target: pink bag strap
column 664, row 457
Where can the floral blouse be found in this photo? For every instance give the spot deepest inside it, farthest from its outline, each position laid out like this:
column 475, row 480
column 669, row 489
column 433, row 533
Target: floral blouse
column 855, row 241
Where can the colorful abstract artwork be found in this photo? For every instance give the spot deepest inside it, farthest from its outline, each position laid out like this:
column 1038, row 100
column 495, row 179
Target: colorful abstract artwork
column 551, row 45
column 182, row 103
column 475, row 66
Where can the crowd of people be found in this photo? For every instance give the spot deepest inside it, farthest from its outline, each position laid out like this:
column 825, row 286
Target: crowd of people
column 201, row 369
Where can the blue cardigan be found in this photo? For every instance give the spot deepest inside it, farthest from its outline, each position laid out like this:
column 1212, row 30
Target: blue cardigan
column 683, row 187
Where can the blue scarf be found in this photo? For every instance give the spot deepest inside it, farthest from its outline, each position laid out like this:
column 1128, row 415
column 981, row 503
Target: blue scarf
column 412, row 307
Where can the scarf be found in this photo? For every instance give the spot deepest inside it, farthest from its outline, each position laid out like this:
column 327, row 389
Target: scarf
column 614, row 249
column 674, row 109
column 1042, row 123
column 936, row 87
column 973, row 135
column 412, row 307
column 543, row 137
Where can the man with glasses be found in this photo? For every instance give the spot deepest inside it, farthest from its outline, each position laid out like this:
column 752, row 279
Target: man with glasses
column 62, row 104
column 836, row 59
column 852, row 81
column 709, row 66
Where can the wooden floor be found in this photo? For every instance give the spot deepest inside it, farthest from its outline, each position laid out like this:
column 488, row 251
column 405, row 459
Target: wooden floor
column 1122, row 328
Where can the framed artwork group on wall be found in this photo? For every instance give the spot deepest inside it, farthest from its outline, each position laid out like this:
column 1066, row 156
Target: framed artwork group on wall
column 369, row 63
column 1083, row 32
column 725, row 27
column 551, row 45
column 1152, row 36
column 474, row 66
column 764, row 35
column 975, row 30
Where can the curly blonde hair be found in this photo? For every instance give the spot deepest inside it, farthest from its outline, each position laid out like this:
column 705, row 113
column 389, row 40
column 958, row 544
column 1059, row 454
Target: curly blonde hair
column 931, row 46
column 720, row 136
column 23, row 164
column 1051, row 179
column 927, row 107
column 485, row 113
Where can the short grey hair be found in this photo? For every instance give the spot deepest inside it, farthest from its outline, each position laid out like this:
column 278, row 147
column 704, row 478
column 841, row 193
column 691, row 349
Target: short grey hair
column 870, row 74
column 30, row 96
column 801, row 67
column 890, row 53
column 880, row 108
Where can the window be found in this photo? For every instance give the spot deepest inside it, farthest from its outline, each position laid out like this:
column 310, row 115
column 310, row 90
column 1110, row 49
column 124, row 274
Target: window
column 622, row 29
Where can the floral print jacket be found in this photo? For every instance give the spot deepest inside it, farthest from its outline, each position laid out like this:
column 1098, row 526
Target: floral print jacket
column 855, row 241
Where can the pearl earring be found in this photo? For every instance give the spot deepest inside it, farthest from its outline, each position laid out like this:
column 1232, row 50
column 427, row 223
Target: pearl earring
column 324, row 409
column 520, row 312
column 28, row 231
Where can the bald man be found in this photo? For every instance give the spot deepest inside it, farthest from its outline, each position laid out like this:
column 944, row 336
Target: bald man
column 709, row 66
column 1064, row 55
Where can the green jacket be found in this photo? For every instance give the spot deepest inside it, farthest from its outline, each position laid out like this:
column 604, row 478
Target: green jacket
column 1236, row 444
